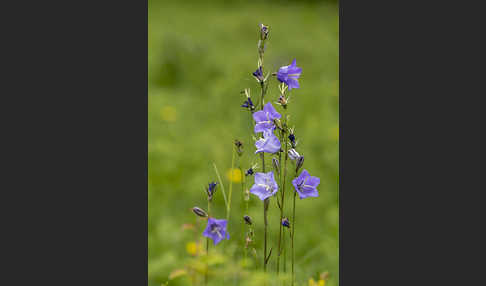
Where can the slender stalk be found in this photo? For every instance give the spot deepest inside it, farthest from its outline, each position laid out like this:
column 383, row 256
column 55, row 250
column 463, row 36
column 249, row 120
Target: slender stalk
column 293, row 234
column 267, row 200
column 228, row 206
column 221, row 183
column 282, row 201
column 207, row 249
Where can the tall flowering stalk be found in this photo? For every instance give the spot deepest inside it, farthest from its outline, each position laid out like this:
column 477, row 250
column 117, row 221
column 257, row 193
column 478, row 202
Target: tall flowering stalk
column 268, row 139
column 268, row 123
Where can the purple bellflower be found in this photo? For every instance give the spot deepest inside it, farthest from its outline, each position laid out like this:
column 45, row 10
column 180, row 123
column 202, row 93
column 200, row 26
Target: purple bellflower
column 264, row 118
column 306, row 185
column 216, row 230
column 269, row 143
column 265, row 185
column 289, row 75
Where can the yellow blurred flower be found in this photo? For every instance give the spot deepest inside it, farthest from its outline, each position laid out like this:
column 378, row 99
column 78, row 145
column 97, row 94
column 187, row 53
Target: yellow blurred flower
column 192, row 248
column 321, row 282
column 177, row 273
column 168, row 113
column 234, row 175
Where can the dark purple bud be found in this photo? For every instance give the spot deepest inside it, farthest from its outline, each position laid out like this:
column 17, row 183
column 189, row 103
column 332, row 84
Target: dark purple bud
column 249, row 172
column 263, row 32
column 239, row 147
column 248, row 104
column 247, row 220
column 286, row 222
column 200, row 212
column 299, row 163
column 211, row 190
column 258, row 74
column 292, row 140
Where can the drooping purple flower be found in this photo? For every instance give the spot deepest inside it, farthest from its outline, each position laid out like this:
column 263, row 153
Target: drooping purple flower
column 289, row 75
column 269, row 143
column 216, row 230
column 306, row 185
column 264, row 118
column 265, row 185
column 258, row 74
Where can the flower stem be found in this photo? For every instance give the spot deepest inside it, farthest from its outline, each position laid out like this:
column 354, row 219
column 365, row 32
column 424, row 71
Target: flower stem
column 284, row 137
column 293, row 233
column 207, row 249
column 228, row 206
column 221, row 183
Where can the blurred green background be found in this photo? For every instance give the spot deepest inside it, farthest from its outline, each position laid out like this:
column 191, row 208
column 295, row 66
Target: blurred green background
column 200, row 56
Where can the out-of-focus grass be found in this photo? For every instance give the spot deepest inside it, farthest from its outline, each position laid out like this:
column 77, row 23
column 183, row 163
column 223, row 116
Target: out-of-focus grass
column 200, row 57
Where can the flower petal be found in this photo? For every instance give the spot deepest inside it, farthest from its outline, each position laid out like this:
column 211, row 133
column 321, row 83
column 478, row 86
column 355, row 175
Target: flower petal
column 306, row 193
column 260, row 178
column 259, row 116
column 313, row 181
column 260, row 192
column 271, row 111
column 292, row 83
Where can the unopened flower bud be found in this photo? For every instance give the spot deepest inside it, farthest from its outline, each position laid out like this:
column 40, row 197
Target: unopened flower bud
column 239, row 147
column 293, row 155
column 247, row 220
column 199, row 211
column 286, row 222
column 276, row 165
column 283, row 101
column 263, row 32
column 210, row 190
column 299, row 163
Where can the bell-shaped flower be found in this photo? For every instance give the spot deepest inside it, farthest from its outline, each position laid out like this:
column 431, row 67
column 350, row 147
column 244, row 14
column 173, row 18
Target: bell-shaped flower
column 264, row 118
column 265, row 185
column 269, row 143
column 289, row 75
column 216, row 230
column 306, row 185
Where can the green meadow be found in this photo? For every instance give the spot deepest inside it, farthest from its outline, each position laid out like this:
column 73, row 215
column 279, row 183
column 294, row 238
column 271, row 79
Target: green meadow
column 200, row 57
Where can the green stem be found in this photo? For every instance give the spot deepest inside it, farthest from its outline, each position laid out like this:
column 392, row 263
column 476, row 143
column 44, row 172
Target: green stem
column 228, row 206
column 293, row 234
column 207, row 249
column 267, row 200
column 221, row 183
column 284, row 137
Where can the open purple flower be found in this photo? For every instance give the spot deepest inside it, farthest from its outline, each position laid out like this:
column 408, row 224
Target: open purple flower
column 216, row 230
column 264, row 118
column 265, row 185
column 306, row 185
column 289, row 75
column 269, row 143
